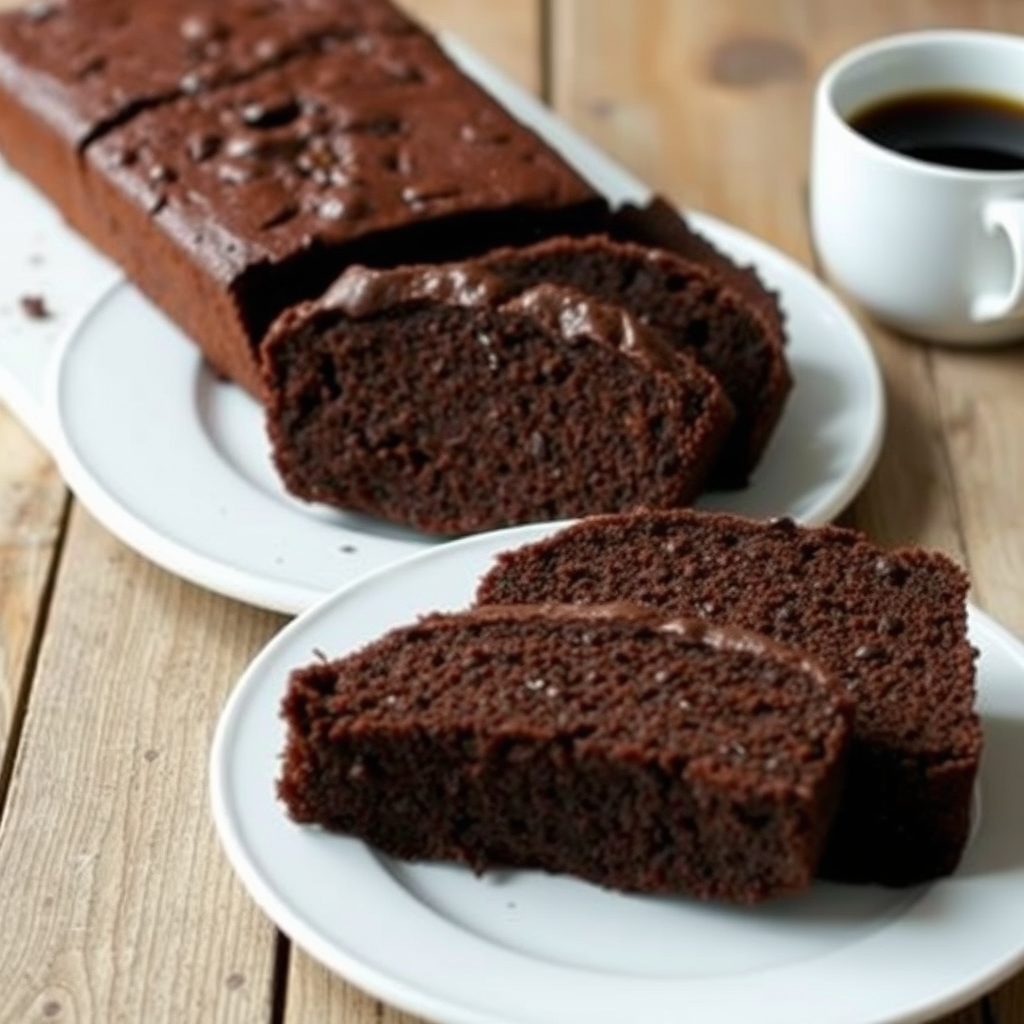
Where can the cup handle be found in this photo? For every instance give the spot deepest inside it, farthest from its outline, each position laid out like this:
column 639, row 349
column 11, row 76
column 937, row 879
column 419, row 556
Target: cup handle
column 1004, row 216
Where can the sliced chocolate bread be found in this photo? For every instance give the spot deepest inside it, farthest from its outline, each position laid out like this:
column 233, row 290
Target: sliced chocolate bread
column 890, row 624
column 697, row 307
column 631, row 749
column 436, row 397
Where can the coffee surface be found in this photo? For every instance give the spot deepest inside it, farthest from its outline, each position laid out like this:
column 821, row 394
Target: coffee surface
column 973, row 131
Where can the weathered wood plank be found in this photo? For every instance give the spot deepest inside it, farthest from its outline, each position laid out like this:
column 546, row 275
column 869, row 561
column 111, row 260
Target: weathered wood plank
column 32, row 500
column 509, row 33
column 117, row 901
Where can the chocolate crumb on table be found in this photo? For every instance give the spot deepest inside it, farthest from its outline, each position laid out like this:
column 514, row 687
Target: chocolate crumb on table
column 35, row 307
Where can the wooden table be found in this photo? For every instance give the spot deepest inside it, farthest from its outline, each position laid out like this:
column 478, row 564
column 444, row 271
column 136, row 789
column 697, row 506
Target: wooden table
column 116, row 903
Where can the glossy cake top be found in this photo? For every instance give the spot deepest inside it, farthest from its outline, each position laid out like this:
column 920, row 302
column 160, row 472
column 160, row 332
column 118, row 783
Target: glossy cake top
column 382, row 132
column 85, row 65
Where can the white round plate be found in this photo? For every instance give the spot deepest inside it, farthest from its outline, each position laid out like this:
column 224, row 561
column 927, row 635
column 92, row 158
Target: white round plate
column 529, row 948
column 176, row 462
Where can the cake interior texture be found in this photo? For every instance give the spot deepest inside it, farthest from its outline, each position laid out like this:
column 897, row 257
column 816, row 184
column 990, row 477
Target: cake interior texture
column 435, row 398
column 696, row 306
column 890, row 624
column 636, row 752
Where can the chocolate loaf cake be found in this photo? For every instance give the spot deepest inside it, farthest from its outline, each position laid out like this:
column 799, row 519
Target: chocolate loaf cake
column 891, row 625
column 235, row 160
column 71, row 70
column 435, row 397
column 636, row 751
column 697, row 307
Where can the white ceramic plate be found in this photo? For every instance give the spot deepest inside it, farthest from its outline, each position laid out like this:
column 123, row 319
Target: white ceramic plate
column 530, row 948
column 177, row 464
column 39, row 256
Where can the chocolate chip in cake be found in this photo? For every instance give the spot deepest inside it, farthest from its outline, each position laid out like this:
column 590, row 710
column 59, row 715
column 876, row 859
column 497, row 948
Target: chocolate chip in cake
column 234, row 173
column 429, row 191
column 342, row 208
column 240, row 147
column 270, row 113
column 161, row 174
column 267, row 49
column 193, row 82
column 199, row 28
column 482, row 134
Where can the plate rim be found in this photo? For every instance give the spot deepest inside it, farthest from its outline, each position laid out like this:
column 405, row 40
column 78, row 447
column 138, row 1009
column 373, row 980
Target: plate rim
column 174, row 556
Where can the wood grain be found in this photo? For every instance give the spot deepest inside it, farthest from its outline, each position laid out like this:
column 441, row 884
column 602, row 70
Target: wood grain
column 117, row 901
column 32, row 501
column 509, row 33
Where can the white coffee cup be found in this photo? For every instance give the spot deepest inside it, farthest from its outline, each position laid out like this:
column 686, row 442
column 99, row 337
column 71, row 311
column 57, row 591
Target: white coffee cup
column 932, row 250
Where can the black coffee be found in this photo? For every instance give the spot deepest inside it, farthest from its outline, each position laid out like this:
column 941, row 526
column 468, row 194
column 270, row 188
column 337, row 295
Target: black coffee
column 975, row 131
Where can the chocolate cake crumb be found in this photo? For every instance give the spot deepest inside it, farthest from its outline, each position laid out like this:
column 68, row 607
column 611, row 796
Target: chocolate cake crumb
column 35, row 307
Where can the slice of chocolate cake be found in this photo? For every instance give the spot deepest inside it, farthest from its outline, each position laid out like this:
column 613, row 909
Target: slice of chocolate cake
column 636, row 751
column 890, row 624
column 435, row 397
column 698, row 308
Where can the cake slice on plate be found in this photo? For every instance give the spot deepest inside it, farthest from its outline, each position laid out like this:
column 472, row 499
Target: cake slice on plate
column 890, row 624
column 442, row 398
column 628, row 748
